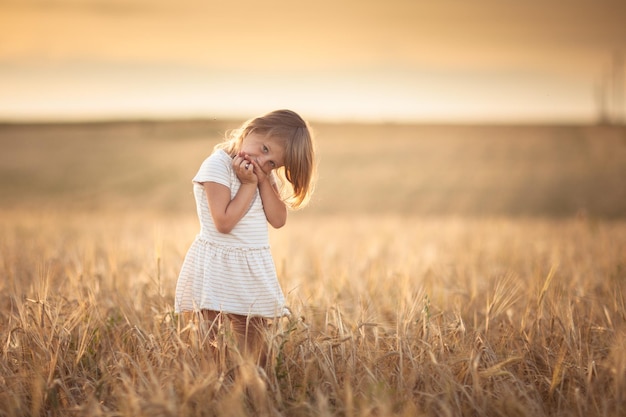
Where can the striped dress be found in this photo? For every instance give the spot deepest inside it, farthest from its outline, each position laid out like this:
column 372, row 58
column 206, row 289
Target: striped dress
column 229, row 272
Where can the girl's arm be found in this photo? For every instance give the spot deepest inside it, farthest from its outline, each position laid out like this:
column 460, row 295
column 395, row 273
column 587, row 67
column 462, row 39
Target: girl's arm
column 274, row 207
column 226, row 213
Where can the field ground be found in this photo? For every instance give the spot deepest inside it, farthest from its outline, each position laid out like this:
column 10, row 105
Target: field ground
column 440, row 271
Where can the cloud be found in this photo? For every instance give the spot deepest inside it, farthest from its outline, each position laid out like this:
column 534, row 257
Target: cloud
column 106, row 7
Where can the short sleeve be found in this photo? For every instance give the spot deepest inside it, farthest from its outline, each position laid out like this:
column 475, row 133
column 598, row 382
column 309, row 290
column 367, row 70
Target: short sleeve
column 216, row 168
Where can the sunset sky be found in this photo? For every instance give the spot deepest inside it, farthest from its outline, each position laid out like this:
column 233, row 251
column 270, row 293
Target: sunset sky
column 444, row 60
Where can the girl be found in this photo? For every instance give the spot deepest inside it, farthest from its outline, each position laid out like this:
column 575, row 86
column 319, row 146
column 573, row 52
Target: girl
column 228, row 275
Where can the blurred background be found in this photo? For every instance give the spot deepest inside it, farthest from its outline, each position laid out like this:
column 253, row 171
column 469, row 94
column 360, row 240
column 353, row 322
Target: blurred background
column 400, row 60
column 487, row 107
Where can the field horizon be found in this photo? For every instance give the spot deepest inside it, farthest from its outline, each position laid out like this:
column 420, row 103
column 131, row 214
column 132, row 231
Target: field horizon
column 422, row 169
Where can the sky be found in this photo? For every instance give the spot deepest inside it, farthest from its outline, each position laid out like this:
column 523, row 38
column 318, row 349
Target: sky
column 353, row 60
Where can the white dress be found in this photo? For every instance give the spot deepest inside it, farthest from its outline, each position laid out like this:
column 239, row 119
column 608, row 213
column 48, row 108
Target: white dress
column 229, row 272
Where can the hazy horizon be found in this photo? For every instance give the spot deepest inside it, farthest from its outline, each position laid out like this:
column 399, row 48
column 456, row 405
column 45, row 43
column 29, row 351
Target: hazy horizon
column 401, row 61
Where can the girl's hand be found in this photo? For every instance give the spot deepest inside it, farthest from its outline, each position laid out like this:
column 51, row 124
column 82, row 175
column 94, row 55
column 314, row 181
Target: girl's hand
column 259, row 172
column 261, row 175
column 244, row 169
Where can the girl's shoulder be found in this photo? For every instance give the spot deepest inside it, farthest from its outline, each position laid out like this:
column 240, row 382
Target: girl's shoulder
column 216, row 167
column 219, row 156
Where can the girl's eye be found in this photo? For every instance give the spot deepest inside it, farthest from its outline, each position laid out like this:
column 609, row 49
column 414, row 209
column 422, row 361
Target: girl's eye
column 265, row 149
column 272, row 164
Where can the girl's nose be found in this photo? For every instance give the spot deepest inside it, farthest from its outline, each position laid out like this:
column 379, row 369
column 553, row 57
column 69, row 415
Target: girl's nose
column 261, row 160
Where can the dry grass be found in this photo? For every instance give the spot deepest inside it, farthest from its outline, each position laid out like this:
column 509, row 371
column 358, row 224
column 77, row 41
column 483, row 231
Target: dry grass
column 391, row 316
column 440, row 271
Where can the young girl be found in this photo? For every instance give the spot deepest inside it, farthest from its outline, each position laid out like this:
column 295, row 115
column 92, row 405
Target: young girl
column 228, row 274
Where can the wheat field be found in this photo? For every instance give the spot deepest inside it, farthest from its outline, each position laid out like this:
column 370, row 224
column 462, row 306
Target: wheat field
column 439, row 271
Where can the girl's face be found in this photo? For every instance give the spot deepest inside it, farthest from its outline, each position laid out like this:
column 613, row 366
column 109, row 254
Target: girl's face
column 268, row 152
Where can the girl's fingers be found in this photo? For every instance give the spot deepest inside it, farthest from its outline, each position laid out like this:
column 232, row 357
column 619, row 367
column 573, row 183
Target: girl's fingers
column 246, row 166
column 258, row 167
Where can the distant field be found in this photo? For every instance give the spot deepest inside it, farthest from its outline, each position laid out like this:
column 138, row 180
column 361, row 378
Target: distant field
column 546, row 171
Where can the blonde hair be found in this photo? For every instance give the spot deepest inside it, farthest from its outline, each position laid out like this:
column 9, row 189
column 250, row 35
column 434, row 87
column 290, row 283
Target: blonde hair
column 295, row 135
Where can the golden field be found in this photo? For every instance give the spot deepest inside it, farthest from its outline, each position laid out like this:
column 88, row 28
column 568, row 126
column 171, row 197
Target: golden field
column 439, row 271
